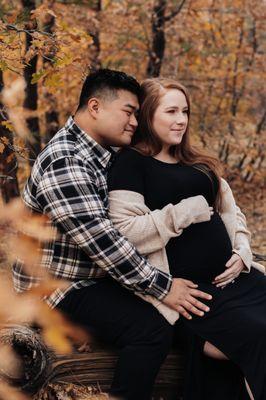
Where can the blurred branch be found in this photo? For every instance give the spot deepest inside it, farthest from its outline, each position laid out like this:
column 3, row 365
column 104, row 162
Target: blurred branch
column 175, row 12
column 28, row 31
column 261, row 123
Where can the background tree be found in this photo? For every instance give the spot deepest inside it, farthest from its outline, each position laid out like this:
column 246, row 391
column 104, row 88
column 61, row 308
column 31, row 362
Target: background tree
column 8, row 159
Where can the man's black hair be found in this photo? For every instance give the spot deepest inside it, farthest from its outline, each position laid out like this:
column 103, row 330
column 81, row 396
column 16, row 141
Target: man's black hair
column 105, row 83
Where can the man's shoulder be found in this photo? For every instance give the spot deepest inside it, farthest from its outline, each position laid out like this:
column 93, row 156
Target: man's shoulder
column 61, row 146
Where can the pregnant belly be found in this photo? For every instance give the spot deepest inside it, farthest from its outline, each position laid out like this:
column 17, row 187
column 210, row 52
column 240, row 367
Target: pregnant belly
column 201, row 252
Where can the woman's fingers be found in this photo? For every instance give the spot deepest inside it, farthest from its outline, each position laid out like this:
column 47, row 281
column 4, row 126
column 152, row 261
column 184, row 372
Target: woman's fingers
column 226, row 275
column 234, row 258
column 223, row 284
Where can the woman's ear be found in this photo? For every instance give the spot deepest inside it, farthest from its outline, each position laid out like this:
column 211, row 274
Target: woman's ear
column 93, row 107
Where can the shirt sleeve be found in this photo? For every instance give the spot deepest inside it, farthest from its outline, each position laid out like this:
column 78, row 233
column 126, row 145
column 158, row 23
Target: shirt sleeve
column 69, row 196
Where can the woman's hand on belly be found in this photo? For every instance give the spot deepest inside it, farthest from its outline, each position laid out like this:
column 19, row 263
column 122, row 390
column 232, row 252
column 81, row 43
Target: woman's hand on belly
column 183, row 298
column 234, row 267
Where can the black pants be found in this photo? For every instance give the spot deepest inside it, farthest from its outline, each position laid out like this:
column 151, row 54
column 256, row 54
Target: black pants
column 142, row 335
column 144, row 339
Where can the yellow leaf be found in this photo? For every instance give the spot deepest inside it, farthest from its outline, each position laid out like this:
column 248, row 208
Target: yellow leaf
column 54, row 80
column 2, row 148
column 8, row 125
column 54, row 338
column 66, row 60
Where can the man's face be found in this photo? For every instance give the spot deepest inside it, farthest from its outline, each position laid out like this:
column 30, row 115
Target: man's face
column 116, row 119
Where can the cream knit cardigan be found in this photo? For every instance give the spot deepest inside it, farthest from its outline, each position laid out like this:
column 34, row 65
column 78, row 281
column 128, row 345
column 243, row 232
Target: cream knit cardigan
column 150, row 231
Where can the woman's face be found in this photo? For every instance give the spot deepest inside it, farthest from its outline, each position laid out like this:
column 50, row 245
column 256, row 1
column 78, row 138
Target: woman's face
column 170, row 119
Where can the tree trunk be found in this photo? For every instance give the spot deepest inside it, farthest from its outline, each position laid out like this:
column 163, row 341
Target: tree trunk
column 8, row 159
column 51, row 116
column 31, row 91
column 158, row 39
column 96, row 6
column 94, row 367
column 158, row 35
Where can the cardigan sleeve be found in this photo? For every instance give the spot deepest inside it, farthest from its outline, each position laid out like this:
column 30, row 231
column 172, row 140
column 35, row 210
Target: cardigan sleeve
column 241, row 235
column 148, row 230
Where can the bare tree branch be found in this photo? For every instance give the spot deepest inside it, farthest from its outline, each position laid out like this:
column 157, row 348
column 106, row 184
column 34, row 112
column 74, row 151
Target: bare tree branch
column 175, row 12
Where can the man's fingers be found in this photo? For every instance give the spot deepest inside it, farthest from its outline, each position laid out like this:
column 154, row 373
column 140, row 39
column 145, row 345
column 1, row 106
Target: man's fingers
column 198, row 304
column 183, row 312
column 190, row 283
column 188, row 306
column 199, row 293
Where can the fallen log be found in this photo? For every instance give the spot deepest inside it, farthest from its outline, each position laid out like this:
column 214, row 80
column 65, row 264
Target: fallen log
column 92, row 367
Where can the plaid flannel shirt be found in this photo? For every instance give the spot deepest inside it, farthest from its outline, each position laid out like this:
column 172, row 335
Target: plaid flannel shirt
column 68, row 183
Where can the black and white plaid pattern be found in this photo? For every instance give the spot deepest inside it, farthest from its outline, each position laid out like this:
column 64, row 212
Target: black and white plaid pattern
column 68, row 183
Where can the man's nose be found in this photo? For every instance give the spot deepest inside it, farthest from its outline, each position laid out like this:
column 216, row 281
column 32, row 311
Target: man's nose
column 133, row 120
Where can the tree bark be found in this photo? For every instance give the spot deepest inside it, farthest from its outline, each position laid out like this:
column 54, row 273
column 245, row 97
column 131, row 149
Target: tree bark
column 31, row 91
column 158, row 39
column 96, row 6
column 51, row 116
column 158, row 35
column 8, row 159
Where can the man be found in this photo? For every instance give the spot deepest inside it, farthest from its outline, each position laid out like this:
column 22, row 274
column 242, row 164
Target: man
column 68, row 183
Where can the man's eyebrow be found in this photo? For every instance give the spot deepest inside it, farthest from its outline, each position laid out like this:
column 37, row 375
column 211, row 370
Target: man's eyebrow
column 132, row 107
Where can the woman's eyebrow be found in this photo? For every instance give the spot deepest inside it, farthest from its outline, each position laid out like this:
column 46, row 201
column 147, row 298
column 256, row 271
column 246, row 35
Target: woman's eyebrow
column 176, row 107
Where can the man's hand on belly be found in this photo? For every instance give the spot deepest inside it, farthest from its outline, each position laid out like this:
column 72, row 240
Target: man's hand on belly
column 183, row 298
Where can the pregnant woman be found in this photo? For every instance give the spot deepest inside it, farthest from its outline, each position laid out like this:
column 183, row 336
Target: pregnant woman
column 160, row 170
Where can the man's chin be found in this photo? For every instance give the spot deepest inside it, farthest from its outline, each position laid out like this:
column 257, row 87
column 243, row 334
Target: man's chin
column 126, row 140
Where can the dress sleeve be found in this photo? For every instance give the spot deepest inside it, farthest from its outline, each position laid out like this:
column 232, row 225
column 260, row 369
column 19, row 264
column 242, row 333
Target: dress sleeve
column 148, row 230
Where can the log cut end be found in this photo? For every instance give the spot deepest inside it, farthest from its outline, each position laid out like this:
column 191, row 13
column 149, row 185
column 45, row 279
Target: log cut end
column 33, row 355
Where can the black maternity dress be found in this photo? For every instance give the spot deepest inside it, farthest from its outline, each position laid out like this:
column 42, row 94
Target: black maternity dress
column 236, row 322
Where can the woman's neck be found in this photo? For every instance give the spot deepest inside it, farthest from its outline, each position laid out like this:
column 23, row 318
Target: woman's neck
column 165, row 156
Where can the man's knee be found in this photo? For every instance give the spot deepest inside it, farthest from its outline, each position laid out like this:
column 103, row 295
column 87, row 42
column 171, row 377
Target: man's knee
column 153, row 331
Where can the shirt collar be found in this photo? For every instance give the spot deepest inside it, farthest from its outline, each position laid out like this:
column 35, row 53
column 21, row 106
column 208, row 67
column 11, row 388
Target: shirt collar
column 102, row 155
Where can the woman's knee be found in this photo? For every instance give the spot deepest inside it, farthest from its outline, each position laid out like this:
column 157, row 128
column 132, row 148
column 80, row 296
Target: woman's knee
column 213, row 352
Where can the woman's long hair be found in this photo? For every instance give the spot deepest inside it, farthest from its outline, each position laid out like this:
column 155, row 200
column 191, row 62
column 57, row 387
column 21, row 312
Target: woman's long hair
column 148, row 143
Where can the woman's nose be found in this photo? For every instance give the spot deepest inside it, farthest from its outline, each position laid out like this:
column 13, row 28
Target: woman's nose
column 181, row 119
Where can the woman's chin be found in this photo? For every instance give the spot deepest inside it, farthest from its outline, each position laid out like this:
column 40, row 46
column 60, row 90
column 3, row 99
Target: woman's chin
column 175, row 142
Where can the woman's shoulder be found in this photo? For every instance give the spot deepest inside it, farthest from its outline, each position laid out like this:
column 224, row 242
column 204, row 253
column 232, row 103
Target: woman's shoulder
column 129, row 155
column 126, row 172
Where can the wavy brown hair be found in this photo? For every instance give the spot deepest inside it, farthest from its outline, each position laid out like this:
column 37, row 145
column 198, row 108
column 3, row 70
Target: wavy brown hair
column 148, row 143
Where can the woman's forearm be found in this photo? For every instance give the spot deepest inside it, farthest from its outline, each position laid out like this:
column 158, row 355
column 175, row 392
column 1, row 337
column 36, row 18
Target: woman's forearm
column 150, row 230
